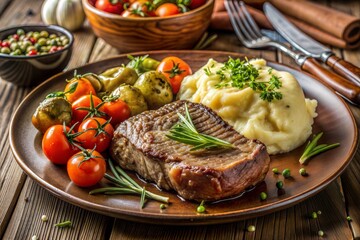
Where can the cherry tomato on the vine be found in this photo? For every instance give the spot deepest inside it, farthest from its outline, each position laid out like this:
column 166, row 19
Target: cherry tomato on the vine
column 86, row 168
column 77, row 88
column 111, row 6
column 57, row 144
column 117, row 110
column 175, row 69
column 167, row 9
column 86, row 106
column 96, row 133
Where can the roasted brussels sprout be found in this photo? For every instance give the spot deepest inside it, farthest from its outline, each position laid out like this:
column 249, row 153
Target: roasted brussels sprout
column 50, row 112
column 114, row 77
column 155, row 88
column 133, row 97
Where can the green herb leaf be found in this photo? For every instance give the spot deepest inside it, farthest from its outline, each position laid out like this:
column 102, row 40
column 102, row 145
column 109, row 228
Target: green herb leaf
column 243, row 74
column 63, row 224
column 313, row 149
column 185, row 132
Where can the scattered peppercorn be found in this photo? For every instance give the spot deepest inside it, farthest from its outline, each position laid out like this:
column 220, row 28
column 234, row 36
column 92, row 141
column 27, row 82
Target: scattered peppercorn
column 251, row 228
column 279, row 184
column 319, row 212
column 44, row 218
column 162, row 206
column 275, row 170
column 263, row 196
column 314, row 215
column 302, row 172
column 286, row 173
column 320, row 233
column 348, row 218
column 201, row 208
column 34, row 237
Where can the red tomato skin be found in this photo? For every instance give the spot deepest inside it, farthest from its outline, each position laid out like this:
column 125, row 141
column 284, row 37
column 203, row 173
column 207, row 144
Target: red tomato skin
column 84, row 101
column 84, row 87
column 167, row 64
column 117, row 110
column 107, row 6
column 196, row 3
column 88, row 138
column 167, row 9
column 56, row 146
column 87, row 173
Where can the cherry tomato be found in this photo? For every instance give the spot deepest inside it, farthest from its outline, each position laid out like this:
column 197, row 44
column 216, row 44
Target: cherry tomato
column 141, row 8
column 32, row 52
column 111, row 6
column 96, row 133
column 130, row 13
column 117, row 110
column 86, row 168
column 196, row 3
column 82, row 87
column 32, row 40
column 92, row 107
column 175, row 69
column 167, row 9
column 57, row 144
column 16, row 37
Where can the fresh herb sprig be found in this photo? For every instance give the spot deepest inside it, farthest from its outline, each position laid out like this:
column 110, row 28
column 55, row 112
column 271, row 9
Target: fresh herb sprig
column 185, row 132
column 243, row 74
column 313, row 149
column 126, row 185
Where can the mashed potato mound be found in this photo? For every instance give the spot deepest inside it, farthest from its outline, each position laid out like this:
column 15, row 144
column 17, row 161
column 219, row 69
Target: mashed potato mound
column 282, row 125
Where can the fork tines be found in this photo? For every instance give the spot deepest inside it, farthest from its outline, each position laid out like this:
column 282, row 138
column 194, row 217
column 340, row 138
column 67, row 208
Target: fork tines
column 244, row 25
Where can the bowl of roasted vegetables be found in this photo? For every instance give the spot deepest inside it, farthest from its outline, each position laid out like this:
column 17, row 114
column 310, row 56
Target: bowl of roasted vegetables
column 149, row 24
column 30, row 54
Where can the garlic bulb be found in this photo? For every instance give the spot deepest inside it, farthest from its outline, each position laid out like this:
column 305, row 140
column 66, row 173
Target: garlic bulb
column 66, row 13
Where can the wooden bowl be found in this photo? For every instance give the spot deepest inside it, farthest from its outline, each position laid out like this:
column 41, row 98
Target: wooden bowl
column 180, row 31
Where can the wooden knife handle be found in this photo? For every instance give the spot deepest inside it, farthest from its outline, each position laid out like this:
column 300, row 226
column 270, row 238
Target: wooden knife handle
column 336, row 82
column 344, row 68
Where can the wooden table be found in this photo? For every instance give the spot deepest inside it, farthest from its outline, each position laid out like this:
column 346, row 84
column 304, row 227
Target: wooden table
column 23, row 202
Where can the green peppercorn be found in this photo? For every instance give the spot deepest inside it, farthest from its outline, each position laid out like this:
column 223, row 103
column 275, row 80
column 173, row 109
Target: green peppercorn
column 37, row 47
column 320, row 233
column 44, row 34
column 53, row 42
column 314, row 215
column 5, row 50
column 28, row 49
column 42, row 41
column 20, row 32
column 52, row 36
column 286, row 173
column 36, row 35
column 12, row 40
column 275, row 170
column 348, row 218
column 201, row 208
column 162, row 206
column 319, row 212
column 17, row 52
column 251, row 228
column 279, row 184
column 263, row 196
column 302, row 172
column 14, row 46
column 29, row 34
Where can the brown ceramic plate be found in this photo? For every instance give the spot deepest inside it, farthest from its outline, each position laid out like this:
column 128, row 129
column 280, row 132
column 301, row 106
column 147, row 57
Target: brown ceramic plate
column 335, row 120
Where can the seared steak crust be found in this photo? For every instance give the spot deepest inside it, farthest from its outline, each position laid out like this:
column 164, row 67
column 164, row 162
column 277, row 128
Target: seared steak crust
column 140, row 144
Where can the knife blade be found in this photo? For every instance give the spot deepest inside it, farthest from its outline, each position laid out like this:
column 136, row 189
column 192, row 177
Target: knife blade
column 309, row 46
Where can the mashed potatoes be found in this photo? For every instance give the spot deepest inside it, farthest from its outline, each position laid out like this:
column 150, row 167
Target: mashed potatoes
column 281, row 125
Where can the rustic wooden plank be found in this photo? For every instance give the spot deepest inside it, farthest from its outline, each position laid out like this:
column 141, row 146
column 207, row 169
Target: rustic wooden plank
column 34, row 202
column 3, row 5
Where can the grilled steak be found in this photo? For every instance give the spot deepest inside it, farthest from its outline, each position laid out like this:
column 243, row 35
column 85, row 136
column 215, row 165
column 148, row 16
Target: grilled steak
column 140, row 144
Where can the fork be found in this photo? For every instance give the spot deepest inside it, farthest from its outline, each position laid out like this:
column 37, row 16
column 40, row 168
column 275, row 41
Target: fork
column 250, row 35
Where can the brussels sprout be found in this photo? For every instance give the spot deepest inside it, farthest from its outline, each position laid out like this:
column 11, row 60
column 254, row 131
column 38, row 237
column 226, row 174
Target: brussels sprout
column 114, row 77
column 155, row 88
column 133, row 97
column 50, row 112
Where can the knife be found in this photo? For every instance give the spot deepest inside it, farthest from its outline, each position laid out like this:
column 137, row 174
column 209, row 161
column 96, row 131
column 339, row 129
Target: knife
column 309, row 46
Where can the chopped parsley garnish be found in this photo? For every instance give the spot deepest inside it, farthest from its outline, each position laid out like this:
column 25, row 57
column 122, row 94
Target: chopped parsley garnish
column 243, row 74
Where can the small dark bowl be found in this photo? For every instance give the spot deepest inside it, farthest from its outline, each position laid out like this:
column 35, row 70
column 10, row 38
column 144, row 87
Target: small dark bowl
column 31, row 70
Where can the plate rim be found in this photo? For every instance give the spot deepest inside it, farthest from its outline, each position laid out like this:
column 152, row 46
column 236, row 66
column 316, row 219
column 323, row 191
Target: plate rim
column 199, row 219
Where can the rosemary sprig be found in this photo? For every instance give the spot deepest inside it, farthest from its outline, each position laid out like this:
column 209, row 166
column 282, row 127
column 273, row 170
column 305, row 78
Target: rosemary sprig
column 126, row 185
column 185, row 132
column 313, row 149
column 63, row 224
